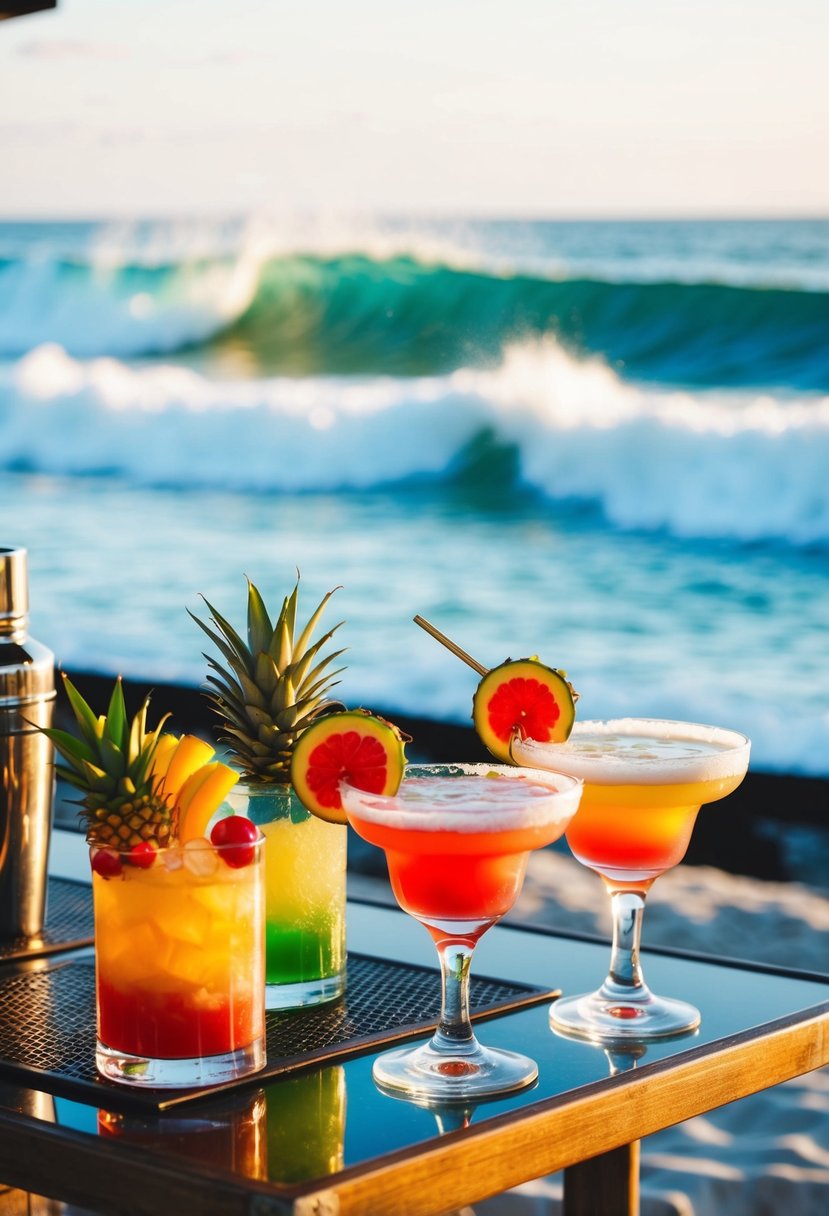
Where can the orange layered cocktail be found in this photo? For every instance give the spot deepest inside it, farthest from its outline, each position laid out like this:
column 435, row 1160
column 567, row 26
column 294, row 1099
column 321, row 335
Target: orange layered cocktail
column 179, row 949
column 457, row 839
column 644, row 783
column 179, row 915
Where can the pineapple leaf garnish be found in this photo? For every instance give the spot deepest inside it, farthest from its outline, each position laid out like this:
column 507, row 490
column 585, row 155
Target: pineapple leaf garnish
column 305, row 637
column 75, row 750
column 110, row 762
column 84, row 716
column 115, row 724
column 236, row 650
column 260, row 629
column 267, row 690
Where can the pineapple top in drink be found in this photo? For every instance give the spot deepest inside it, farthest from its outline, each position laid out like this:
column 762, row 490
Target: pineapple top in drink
column 645, row 780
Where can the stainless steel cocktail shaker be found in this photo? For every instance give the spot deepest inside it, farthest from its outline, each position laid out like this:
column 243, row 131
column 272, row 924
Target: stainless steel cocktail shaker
column 27, row 696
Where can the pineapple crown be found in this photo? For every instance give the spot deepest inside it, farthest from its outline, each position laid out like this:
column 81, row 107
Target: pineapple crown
column 270, row 687
column 111, row 755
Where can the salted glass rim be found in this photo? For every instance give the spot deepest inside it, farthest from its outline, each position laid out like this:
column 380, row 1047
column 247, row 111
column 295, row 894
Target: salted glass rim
column 564, row 795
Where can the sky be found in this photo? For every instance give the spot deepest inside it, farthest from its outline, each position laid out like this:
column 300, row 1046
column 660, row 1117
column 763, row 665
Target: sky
column 559, row 108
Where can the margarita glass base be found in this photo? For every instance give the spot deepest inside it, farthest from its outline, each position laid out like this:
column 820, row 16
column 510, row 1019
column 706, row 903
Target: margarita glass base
column 128, row 1069
column 435, row 1076
column 606, row 1017
column 304, row 992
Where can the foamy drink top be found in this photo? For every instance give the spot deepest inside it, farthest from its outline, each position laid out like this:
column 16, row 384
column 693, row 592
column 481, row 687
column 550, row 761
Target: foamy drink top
column 642, row 751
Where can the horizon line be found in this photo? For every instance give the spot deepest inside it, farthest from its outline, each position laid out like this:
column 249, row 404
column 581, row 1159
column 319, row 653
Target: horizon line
column 422, row 214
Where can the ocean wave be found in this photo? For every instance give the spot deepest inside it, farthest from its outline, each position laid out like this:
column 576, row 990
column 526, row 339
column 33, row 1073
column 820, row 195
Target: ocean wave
column 314, row 313
column 123, row 310
column 736, row 466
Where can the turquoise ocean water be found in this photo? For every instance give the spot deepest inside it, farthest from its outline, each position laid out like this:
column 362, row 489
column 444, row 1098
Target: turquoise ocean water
column 603, row 443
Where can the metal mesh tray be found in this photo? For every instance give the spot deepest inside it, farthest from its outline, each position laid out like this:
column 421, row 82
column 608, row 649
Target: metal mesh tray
column 69, row 923
column 47, row 1025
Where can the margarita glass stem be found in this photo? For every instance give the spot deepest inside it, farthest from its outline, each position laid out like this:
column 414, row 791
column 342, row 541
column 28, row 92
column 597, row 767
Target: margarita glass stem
column 625, row 981
column 454, row 1034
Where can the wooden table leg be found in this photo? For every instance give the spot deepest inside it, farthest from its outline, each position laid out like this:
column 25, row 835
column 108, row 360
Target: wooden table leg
column 607, row 1185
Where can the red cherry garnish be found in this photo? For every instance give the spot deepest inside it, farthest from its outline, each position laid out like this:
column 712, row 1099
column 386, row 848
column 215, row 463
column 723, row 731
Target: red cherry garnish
column 142, row 854
column 235, row 837
column 106, row 862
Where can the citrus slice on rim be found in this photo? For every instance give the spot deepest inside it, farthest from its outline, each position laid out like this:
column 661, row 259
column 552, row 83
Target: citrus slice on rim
column 523, row 695
column 353, row 746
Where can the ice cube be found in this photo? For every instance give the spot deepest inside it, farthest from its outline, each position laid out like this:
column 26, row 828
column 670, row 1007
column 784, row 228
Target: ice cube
column 200, row 858
column 173, row 859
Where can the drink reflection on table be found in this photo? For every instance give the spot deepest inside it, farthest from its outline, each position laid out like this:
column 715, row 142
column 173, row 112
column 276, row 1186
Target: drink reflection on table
column 305, row 1125
column 291, row 1132
column 228, row 1133
column 30, row 1102
column 624, row 1055
column 449, row 1116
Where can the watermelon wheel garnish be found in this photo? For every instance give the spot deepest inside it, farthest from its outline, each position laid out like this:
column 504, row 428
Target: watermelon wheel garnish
column 354, row 746
column 523, row 696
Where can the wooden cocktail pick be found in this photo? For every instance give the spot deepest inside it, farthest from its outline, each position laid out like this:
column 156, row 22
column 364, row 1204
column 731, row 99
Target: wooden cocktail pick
column 467, row 658
column 450, row 645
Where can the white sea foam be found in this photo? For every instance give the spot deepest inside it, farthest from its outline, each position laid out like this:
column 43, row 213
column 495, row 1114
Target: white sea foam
column 469, row 798
column 642, row 751
column 696, row 465
column 96, row 314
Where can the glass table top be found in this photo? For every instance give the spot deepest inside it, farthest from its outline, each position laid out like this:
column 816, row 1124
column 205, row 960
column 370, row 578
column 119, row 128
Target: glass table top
column 320, row 1121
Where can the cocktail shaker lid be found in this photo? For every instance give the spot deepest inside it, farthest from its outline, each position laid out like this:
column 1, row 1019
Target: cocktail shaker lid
column 14, row 585
column 27, row 669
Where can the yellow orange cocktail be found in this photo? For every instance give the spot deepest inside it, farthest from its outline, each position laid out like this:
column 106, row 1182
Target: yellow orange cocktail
column 644, row 783
column 179, row 961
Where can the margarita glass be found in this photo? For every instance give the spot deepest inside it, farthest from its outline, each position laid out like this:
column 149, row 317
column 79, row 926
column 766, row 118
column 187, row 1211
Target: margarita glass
column 644, row 782
column 179, row 966
column 457, row 838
